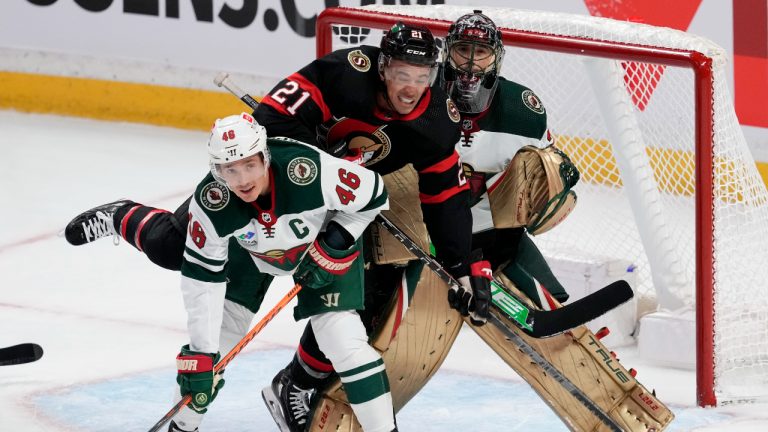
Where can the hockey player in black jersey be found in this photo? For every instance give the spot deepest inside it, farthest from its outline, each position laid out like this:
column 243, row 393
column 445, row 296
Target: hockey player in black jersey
column 377, row 106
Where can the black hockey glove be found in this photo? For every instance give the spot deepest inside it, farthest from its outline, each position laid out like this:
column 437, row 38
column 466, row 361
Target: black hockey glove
column 473, row 297
column 336, row 149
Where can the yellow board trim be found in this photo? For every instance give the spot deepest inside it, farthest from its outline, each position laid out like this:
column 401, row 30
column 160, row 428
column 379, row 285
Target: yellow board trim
column 676, row 175
column 116, row 101
column 197, row 109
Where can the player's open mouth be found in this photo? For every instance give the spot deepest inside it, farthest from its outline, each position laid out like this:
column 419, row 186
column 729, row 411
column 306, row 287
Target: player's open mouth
column 246, row 190
column 407, row 101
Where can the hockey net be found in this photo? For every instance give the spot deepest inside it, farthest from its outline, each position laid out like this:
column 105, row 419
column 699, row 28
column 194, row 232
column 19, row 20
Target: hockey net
column 667, row 181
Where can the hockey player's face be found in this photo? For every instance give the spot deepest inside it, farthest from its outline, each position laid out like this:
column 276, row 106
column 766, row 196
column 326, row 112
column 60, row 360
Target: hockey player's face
column 472, row 57
column 247, row 178
column 406, row 84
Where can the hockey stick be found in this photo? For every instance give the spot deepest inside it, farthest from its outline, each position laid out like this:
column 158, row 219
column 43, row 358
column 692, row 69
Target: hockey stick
column 231, row 354
column 505, row 302
column 223, row 80
column 20, row 354
column 533, row 322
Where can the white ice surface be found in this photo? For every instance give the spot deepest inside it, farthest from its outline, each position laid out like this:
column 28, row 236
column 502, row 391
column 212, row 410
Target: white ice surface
column 111, row 323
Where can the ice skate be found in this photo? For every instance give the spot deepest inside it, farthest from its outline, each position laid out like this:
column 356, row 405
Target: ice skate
column 94, row 224
column 288, row 403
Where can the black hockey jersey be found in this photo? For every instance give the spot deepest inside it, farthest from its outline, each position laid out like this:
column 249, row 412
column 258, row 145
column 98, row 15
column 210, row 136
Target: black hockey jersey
column 335, row 97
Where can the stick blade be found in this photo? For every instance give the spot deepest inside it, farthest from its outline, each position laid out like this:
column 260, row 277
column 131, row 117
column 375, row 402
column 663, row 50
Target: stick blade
column 583, row 310
column 20, row 354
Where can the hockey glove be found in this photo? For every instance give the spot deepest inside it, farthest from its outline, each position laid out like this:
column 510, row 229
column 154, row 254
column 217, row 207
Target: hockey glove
column 196, row 377
column 473, row 297
column 336, row 149
column 322, row 264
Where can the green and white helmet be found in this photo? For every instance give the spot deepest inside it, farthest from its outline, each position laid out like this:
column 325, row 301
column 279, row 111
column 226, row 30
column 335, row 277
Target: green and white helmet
column 234, row 138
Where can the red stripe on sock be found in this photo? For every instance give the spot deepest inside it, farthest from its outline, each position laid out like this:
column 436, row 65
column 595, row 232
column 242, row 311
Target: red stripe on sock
column 124, row 226
column 313, row 362
column 137, row 238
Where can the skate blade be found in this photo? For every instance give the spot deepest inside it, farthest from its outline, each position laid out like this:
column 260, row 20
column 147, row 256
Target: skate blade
column 273, row 405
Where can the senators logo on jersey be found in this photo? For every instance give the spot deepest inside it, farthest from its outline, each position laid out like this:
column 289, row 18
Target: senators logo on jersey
column 282, row 259
column 359, row 61
column 371, row 142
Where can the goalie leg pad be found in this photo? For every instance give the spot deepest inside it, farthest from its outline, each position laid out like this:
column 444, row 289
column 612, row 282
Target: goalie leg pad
column 405, row 212
column 585, row 361
column 414, row 340
column 534, row 191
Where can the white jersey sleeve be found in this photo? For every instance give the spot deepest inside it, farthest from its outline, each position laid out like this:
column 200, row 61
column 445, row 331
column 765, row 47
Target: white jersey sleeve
column 203, row 280
column 355, row 193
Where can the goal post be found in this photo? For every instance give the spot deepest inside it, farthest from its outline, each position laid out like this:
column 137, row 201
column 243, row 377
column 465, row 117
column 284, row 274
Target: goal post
column 668, row 182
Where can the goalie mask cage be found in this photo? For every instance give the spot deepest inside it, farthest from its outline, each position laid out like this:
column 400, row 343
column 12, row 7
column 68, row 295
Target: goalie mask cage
column 668, row 183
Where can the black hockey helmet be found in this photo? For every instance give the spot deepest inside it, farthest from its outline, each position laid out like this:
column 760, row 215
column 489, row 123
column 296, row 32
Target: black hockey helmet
column 411, row 44
column 472, row 59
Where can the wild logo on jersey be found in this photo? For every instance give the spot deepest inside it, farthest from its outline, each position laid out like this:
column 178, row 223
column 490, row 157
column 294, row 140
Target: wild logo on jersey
column 372, row 142
column 283, row 259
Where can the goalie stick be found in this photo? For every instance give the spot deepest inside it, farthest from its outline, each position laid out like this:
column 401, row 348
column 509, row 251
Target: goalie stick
column 533, row 322
column 507, row 304
column 20, row 354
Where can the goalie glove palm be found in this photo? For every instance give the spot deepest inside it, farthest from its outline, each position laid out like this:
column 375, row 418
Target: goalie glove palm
column 472, row 297
column 197, row 378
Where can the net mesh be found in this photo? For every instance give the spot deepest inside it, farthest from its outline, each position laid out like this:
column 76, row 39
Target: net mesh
column 630, row 129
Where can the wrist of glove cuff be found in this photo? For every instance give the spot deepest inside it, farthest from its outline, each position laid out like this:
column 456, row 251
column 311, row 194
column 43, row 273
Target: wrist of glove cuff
column 322, row 264
column 472, row 297
column 197, row 378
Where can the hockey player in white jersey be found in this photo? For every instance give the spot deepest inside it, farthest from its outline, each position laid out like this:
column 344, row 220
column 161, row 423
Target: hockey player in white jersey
column 292, row 210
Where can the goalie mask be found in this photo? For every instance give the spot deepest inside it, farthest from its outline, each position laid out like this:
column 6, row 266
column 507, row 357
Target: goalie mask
column 472, row 61
column 411, row 44
column 235, row 138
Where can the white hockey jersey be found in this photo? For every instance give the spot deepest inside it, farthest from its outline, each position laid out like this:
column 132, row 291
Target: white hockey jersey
column 309, row 189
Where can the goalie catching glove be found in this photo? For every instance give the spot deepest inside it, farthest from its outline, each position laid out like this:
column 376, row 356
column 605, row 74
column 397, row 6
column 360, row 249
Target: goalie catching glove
column 535, row 190
column 327, row 258
column 473, row 297
column 197, row 378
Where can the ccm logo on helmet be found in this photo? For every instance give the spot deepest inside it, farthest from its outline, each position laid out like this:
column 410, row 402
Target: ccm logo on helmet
column 417, row 52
